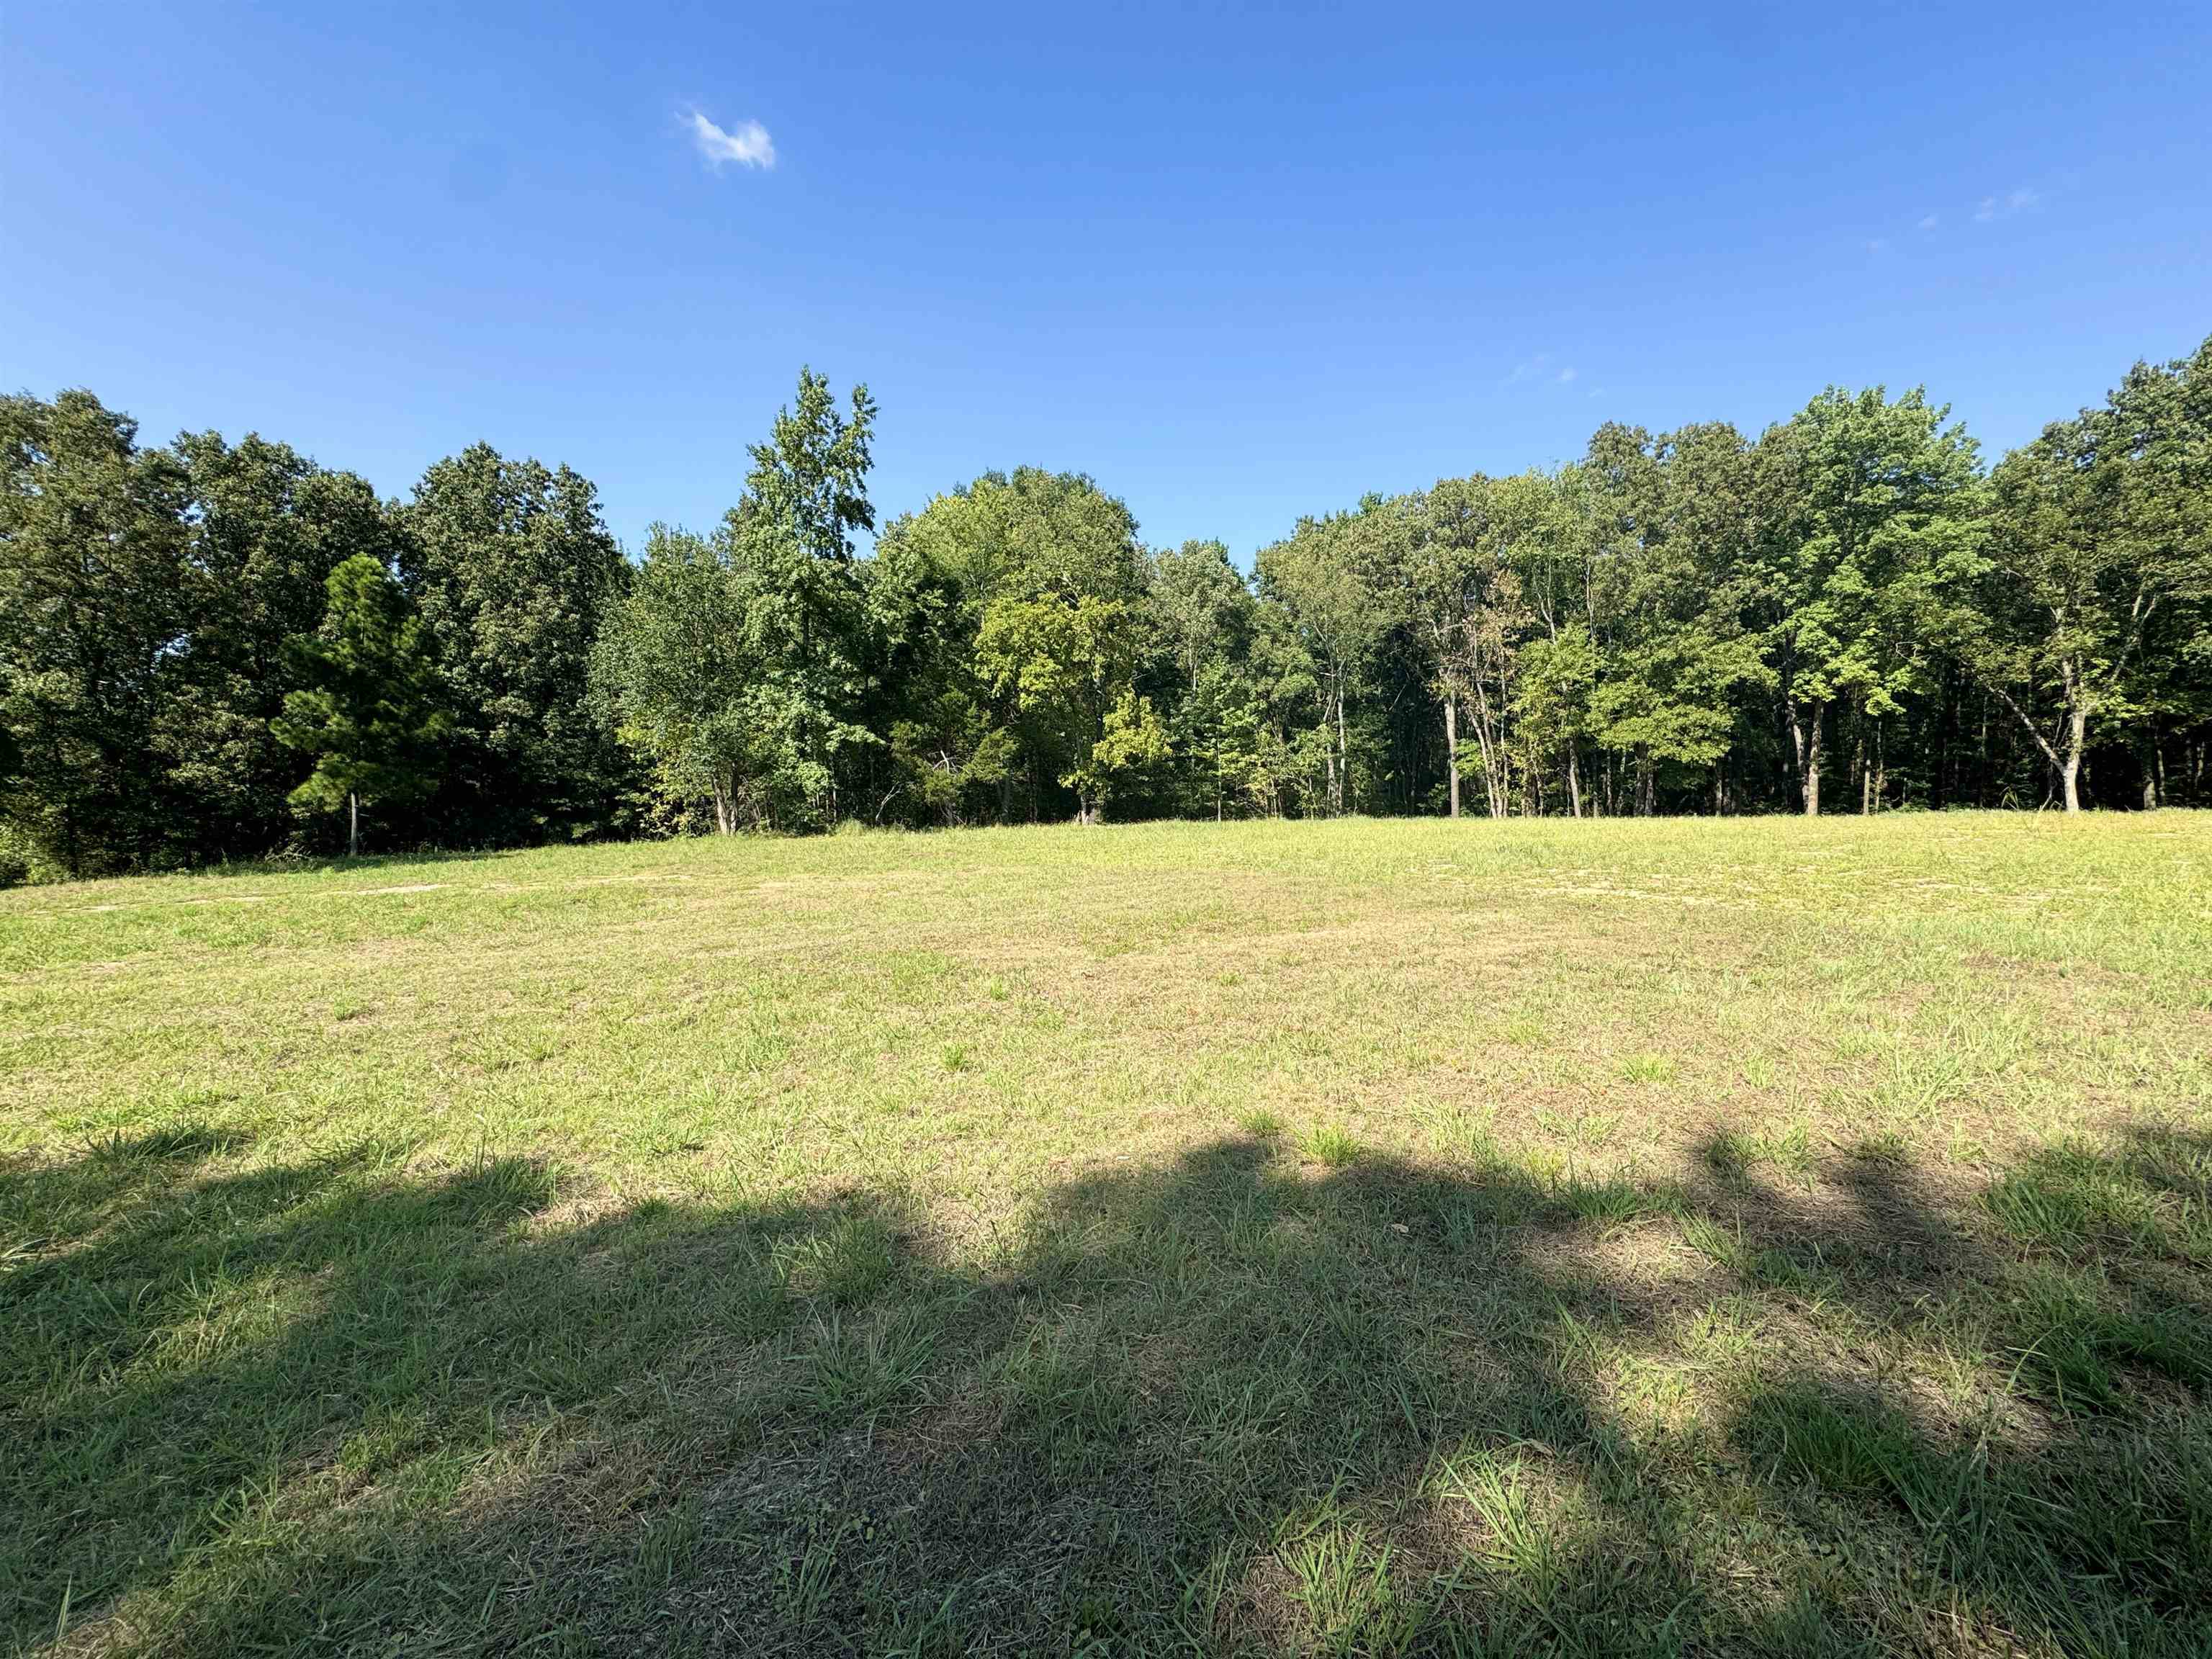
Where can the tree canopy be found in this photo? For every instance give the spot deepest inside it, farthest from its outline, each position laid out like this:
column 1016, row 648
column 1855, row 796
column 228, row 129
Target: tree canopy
column 370, row 713
column 1848, row 608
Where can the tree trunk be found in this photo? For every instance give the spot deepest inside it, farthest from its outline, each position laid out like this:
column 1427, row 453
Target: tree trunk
column 1805, row 737
column 2068, row 765
column 1343, row 755
column 1451, row 748
column 353, row 825
column 2071, row 771
column 1574, row 780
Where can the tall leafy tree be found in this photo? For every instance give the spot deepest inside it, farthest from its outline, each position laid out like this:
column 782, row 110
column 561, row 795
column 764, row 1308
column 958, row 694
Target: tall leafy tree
column 372, row 711
column 1552, row 537
column 94, row 613
column 1439, row 563
column 1200, row 605
column 1001, row 556
column 1324, row 580
column 790, row 535
column 513, row 570
column 680, row 673
column 1555, row 700
column 1068, row 670
column 1202, row 613
column 1874, row 506
column 945, row 761
column 2101, row 536
column 1677, row 657
column 266, row 526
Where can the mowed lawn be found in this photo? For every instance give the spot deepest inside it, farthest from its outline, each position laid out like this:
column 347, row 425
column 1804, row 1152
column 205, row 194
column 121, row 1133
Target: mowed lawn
column 1358, row 1237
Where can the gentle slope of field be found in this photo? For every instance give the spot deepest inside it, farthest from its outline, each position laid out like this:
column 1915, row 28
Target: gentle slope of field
column 1355, row 1237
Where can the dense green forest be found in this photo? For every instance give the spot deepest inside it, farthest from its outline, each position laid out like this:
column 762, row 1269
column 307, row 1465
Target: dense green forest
column 214, row 651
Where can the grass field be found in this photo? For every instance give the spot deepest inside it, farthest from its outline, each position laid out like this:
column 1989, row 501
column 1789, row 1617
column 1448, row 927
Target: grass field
column 1362, row 1238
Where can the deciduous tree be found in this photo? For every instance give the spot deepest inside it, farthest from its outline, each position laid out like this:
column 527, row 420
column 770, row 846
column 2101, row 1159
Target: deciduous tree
column 95, row 610
column 371, row 712
column 513, row 571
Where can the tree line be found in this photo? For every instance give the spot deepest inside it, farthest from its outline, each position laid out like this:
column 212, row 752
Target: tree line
column 213, row 650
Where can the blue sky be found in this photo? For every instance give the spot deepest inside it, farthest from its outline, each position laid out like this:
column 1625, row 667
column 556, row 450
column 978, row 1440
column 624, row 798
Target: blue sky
column 1237, row 263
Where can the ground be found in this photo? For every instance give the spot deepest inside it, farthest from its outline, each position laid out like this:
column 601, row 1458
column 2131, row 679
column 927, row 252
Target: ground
column 1362, row 1238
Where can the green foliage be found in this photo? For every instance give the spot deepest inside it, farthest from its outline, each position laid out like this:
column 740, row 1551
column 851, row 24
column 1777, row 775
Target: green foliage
column 514, row 572
column 740, row 665
column 1689, row 620
column 2100, row 569
column 810, row 480
column 151, row 595
column 1066, row 672
column 1875, row 516
column 267, row 526
column 22, row 858
column 372, row 707
column 679, row 671
column 1322, row 580
column 93, row 604
column 1034, row 585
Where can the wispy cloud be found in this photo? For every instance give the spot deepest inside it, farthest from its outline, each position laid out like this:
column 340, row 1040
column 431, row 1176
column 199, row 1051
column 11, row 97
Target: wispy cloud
column 1929, row 222
column 1544, row 366
column 747, row 145
column 2022, row 200
column 1878, row 244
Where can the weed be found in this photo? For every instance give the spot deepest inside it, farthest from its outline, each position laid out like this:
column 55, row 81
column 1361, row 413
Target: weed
column 1332, row 1143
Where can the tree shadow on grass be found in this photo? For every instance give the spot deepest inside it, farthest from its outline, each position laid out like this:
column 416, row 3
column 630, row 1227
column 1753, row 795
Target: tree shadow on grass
column 256, row 1395
column 1237, row 1404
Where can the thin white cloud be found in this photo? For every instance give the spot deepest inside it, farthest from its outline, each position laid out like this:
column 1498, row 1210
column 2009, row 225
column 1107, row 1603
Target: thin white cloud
column 1929, row 222
column 1877, row 245
column 1544, row 366
column 747, row 145
column 2022, row 200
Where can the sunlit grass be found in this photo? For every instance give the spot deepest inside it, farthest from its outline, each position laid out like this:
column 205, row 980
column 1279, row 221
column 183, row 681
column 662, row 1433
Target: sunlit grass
column 1354, row 1238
